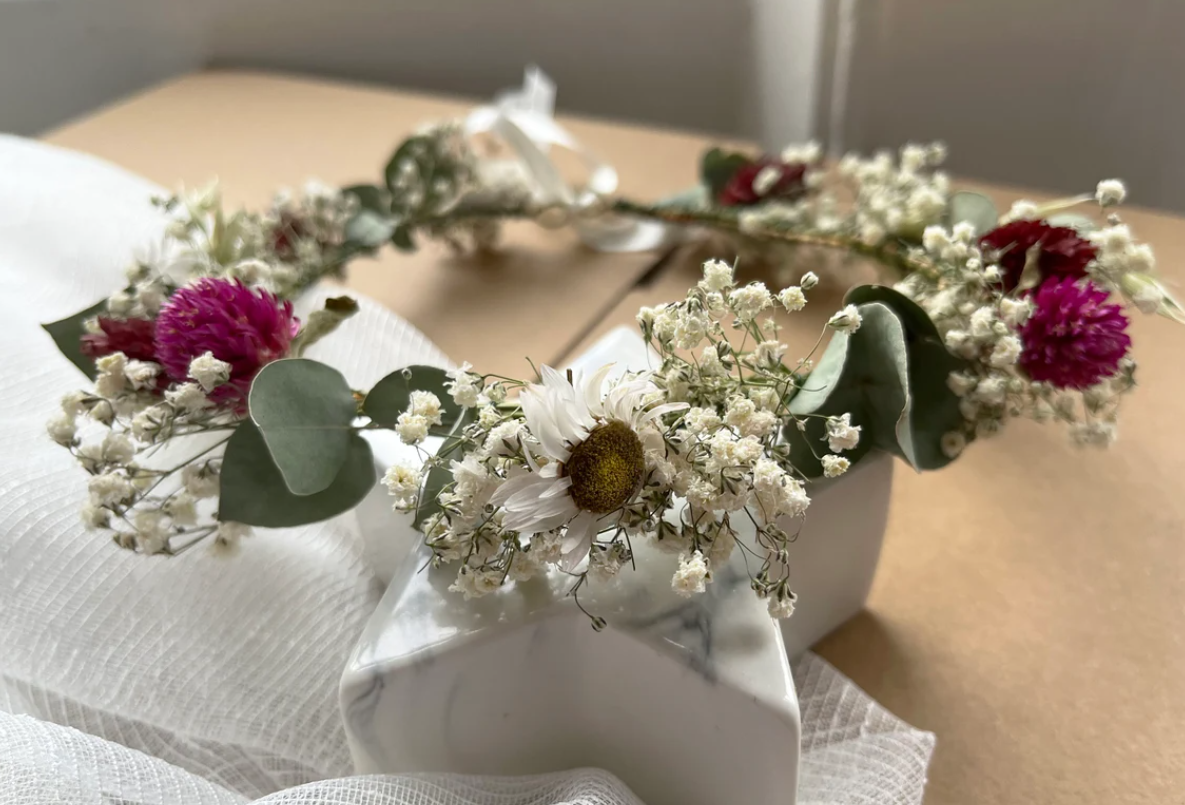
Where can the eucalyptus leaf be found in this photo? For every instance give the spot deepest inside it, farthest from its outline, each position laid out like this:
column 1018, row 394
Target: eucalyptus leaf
column 862, row 374
column 891, row 376
column 434, row 483
column 369, row 229
column 1082, row 224
column 695, row 197
column 934, row 408
column 401, row 238
column 304, row 410
column 411, row 150
column 914, row 319
column 974, row 208
column 67, row 334
column 370, row 198
column 253, row 491
column 718, row 166
column 390, row 396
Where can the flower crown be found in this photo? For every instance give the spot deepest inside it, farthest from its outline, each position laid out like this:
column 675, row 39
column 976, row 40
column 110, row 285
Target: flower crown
column 205, row 420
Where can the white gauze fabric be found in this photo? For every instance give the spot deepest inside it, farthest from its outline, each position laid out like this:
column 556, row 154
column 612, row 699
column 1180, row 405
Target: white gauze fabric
column 854, row 753
column 194, row 679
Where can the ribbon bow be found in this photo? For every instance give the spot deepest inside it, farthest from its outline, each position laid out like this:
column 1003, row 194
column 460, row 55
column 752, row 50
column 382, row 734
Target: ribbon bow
column 524, row 120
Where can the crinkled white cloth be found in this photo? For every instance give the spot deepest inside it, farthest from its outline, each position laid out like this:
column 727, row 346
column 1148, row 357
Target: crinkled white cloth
column 196, row 680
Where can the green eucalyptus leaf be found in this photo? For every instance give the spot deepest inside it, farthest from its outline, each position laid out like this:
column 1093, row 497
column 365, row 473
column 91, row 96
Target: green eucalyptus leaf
column 1082, row 224
column 402, row 240
column 390, row 396
column 370, row 198
column 411, row 150
column 974, row 208
column 934, row 408
column 434, row 483
column 253, row 491
column 695, row 197
column 67, row 334
column 369, row 229
column 718, row 166
column 862, row 374
column 915, row 320
column 304, row 410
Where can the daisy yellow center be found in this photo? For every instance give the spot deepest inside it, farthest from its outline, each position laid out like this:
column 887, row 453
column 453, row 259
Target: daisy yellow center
column 606, row 468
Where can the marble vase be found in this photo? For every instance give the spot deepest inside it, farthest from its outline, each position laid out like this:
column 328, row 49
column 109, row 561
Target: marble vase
column 688, row 701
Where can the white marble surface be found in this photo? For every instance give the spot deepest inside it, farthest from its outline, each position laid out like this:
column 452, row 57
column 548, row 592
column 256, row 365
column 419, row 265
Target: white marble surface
column 688, row 701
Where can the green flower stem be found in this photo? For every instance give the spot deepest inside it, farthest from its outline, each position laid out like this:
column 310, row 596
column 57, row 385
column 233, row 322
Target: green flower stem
column 891, row 254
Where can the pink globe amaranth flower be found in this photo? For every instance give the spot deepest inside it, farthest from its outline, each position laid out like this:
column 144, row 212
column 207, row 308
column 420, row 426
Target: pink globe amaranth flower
column 1073, row 339
column 248, row 328
column 740, row 192
column 1063, row 252
column 133, row 337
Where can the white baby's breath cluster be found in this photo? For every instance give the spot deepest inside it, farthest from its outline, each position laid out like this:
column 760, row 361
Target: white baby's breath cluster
column 708, row 424
column 151, row 457
column 865, row 201
column 889, row 197
column 896, row 197
column 287, row 248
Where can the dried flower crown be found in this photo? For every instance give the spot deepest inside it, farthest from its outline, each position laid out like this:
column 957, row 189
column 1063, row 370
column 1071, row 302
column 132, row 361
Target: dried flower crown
column 205, row 421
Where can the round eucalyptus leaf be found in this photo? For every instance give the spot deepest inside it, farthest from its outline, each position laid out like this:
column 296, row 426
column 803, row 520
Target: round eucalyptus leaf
column 1082, row 224
column 253, row 491
column 974, row 208
column 717, row 167
column 304, row 410
column 864, row 374
column 934, row 408
column 369, row 229
column 390, row 396
column 370, row 198
column 429, row 505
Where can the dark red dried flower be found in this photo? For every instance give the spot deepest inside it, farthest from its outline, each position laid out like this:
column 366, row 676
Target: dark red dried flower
column 740, row 192
column 1073, row 339
column 132, row 337
column 1064, row 253
column 285, row 235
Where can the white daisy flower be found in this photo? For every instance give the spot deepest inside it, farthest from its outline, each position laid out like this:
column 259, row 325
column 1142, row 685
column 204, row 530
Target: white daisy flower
column 594, row 461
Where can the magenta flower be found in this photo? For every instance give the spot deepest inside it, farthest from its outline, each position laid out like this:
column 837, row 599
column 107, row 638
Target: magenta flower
column 246, row 328
column 1073, row 339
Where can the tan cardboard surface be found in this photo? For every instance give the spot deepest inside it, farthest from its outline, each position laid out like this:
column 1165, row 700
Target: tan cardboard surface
column 1030, row 602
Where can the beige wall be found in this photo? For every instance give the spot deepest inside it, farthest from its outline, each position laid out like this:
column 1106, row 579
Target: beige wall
column 1051, row 93
column 62, row 58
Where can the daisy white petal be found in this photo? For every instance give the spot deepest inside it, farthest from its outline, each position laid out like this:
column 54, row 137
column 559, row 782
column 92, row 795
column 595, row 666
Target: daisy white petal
column 578, row 541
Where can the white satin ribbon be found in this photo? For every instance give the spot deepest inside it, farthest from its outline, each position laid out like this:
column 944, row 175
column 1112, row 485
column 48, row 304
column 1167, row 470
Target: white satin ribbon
column 524, row 120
